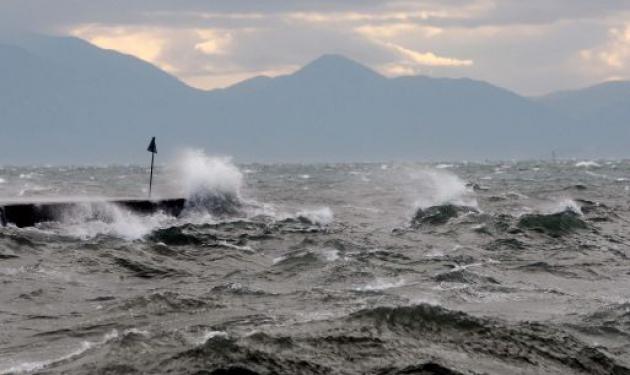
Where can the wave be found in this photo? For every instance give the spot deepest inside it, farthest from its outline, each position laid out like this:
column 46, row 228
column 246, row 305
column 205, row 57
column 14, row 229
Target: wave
column 555, row 224
column 300, row 260
column 464, row 276
column 381, row 284
column 440, row 187
column 319, row 216
column 562, row 205
column 614, row 318
column 146, row 269
column 175, row 236
column 587, row 164
column 26, row 367
column 211, row 185
column 207, row 335
column 212, row 188
column 91, row 219
column 163, row 302
column 439, row 215
column 526, row 345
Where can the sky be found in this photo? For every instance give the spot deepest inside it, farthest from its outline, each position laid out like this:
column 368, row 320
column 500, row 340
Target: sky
column 532, row 47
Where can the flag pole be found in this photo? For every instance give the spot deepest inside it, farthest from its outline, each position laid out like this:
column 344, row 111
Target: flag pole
column 153, row 150
column 151, row 178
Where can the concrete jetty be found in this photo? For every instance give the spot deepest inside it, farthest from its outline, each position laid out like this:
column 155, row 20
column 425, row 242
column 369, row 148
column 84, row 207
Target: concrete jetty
column 28, row 214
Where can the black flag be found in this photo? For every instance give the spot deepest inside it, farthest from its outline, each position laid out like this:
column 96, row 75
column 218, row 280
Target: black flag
column 153, row 150
column 152, row 147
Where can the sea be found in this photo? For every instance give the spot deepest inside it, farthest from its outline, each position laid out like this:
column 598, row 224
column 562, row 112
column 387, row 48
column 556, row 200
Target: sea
column 356, row 268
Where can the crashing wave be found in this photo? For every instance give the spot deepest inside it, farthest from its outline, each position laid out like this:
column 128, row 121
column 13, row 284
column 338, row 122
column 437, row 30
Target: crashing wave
column 322, row 216
column 211, row 185
column 439, row 187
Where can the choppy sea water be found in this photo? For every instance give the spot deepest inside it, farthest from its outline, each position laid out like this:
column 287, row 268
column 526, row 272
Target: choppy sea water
column 462, row 268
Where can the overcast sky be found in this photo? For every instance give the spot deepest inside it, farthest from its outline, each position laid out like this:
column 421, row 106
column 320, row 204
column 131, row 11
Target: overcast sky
column 529, row 46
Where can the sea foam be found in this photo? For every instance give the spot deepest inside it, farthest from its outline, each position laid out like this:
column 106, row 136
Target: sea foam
column 438, row 187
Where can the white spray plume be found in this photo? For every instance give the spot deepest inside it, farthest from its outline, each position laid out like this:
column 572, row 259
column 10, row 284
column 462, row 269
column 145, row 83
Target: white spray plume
column 198, row 172
column 212, row 185
column 438, row 187
column 319, row 216
column 565, row 204
column 88, row 220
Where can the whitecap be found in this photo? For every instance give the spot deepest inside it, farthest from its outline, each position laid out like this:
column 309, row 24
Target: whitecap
column 207, row 335
column 236, row 247
column 381, row 284
column 562, row 205
column 330, row 255
column 587, row 164
column 320, row 216
column 444, row 166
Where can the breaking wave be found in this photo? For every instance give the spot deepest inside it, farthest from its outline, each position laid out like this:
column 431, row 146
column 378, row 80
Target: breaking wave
column 210, row 185
column 88, row 220
column 319, row 216
column 439, row 187
column 588, row 164
column 212, row 188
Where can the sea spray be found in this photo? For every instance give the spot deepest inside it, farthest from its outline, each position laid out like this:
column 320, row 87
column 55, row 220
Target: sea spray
column 566, row 204
column 89, row 219
column 211, row 185
column 319, row 216
column 439, row 187
column 438, row 196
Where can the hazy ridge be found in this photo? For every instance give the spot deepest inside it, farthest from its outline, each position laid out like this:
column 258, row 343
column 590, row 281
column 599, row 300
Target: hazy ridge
column 66, row 101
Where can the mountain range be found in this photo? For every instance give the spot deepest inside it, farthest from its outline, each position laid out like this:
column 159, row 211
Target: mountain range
column 63, row 100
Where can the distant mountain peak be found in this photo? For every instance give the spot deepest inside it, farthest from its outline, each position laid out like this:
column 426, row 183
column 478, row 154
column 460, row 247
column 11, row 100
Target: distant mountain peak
column 337, row 66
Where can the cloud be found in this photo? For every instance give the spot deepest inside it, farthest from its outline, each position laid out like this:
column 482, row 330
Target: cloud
column 428, row 58
column 396, row 29
column 213, row 42
column 143, row 43
column 615, row 54
column 529, row 46
column 609, row 60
